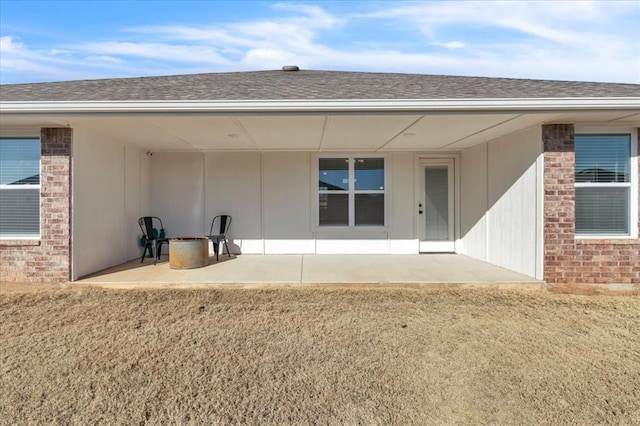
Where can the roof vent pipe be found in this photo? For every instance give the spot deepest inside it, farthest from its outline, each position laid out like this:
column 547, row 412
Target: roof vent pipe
column 290, row 68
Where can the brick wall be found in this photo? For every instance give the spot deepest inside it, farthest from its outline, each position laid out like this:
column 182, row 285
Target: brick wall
column 567, row 260
column 47, row 260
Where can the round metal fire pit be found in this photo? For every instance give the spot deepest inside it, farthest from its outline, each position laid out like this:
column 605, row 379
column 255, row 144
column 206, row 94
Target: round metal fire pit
column 188, row 252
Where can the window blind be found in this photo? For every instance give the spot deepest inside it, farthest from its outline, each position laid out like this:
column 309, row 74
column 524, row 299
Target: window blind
column 602, row 158
column 19, row 187
column 602, row 179
column 602, row 211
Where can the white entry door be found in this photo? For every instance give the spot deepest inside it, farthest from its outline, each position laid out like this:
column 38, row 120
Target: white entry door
column 436, row 206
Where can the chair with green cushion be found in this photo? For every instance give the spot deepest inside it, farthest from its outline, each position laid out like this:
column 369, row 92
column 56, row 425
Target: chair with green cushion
column 153, row 237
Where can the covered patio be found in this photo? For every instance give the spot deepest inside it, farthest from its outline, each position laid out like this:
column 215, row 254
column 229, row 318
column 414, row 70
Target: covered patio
column 438, row 270
column 363, row 170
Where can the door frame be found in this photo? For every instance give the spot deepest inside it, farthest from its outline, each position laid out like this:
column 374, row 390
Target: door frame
column 454, row 246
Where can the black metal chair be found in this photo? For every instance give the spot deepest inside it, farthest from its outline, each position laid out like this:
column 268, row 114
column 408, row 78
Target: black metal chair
column 220, row 225
column 153, row 236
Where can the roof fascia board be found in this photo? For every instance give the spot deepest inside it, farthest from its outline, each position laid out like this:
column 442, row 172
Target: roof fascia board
column 510, row 104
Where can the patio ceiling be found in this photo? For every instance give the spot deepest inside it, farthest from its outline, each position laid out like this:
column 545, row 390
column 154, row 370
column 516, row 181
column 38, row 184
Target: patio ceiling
column 318, row 132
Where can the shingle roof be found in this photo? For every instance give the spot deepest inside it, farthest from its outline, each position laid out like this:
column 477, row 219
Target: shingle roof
column 308, row 85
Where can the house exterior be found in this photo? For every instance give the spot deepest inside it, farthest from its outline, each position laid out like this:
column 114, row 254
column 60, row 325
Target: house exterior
column 540, row 177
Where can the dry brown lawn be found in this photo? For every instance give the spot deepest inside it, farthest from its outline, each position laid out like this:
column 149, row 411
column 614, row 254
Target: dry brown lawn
column 318, row 356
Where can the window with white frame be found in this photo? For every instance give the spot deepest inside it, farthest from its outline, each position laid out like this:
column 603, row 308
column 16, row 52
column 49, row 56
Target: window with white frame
column 603, row 184
column 351, row 191
column 19, row 188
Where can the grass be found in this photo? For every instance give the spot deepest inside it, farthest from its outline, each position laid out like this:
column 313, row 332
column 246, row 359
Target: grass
column 318, row 355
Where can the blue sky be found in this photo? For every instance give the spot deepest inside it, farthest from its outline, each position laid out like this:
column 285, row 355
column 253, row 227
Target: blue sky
column 567, row 40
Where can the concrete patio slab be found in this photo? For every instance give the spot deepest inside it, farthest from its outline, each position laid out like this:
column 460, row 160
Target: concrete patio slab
column 432, row 268
column 251, row 270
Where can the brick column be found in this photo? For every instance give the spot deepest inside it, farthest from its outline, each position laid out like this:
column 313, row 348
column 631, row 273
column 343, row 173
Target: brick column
column 559, row 201
column 47, row 260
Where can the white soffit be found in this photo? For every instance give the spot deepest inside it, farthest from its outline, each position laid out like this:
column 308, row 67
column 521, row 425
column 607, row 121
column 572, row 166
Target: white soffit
column 30, row 121
column 206, row 133
column 439, row 131
column 514, row 125
column 309, row 132
column 284, row 132
column 130, row 130
column 354, row 133
column 617, row 117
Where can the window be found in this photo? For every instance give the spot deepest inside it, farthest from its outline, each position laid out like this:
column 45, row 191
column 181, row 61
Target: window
column 603, row 185
column 351, row 191
column 19, row 188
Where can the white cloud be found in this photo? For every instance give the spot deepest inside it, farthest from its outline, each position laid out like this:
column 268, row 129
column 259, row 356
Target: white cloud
column 103, row 58
column 17, row 58
column 59, row 52
column 559, row 21
column 309, row 16
column 19, row 63
column 268, row 59
column 162, row 51
column 572, row 40
column 556, row 40
column 450, row 44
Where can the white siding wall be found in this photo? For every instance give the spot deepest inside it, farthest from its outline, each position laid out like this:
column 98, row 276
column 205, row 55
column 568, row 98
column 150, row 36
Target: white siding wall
column 503, row 175
column 474, row 199
column 177, row 192
column 402, row 212
column 234, row 187
column 110, row 191
column 270, row 197
column 136, row 180
column 287, row 203
column 98, row 202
